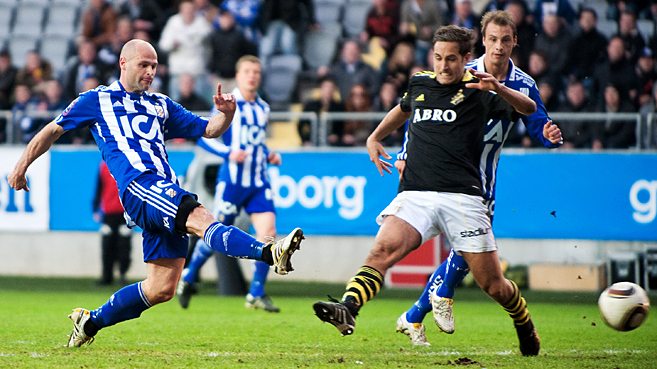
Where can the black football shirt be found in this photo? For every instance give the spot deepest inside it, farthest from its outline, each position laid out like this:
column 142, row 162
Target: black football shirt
column 445, row 133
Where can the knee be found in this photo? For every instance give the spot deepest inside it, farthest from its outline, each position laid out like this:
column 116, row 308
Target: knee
column 498, row 290
column 162, row 293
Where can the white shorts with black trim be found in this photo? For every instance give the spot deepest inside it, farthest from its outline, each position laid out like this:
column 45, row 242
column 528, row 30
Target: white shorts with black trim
column 463, row 219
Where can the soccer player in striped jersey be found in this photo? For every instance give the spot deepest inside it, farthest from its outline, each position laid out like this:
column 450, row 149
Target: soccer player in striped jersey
column 499, row 40
column 441, row 190
column 242, row 181
column 130, row 126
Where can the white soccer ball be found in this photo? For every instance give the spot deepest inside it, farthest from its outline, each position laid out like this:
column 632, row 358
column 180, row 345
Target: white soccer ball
column 624, row 306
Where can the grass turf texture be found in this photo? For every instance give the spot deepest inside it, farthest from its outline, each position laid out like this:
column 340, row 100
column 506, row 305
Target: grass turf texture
column 219, row 332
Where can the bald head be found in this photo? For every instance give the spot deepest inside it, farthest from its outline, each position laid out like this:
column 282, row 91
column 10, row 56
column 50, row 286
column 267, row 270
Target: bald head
column 138, row 61
column 136, row 47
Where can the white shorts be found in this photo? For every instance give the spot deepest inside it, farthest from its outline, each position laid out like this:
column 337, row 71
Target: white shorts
column 463, row 219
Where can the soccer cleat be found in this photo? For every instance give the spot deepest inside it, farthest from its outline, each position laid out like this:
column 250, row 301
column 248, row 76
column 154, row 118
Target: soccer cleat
column 261, row 302
column 337, row 314
column 442, row 312
column 78, row 337
column 282, row 250
column 414, row 331
column 530, row 343
column 184, row 292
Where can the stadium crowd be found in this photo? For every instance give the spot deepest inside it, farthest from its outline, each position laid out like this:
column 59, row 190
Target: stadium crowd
column 577, row 67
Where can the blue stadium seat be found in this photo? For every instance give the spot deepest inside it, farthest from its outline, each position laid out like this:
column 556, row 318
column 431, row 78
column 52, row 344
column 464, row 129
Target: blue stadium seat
column 28, row 20
column 328, row 11
column 607, row 27
column 6, row 12
column 319, row 49
column 55, row 49
column 646, row 28
column 355, row 15
column 62, row 20
column 280, row 80
column 19, row 46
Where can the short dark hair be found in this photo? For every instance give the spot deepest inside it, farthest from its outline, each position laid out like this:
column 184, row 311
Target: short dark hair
column 590, row 10
column 461, row 35
column 501, row 18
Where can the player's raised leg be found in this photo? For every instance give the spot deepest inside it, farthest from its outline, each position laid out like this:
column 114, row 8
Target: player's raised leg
column 395, row 239
column 486, row 270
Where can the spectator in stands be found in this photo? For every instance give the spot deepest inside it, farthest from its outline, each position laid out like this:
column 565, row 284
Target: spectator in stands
column 227, row 45
column 382, row 22
column 553, row 41
column 617, row 7
column 420, row 18
column 629, row 33
column 464, row 16
column 98, row 23
column 36, row 71
column 650, row 141
column 587, row 48
column 538, row 69
column 183, row 38
column 326, row 101
column 246, row 14
column 25, row 126
column 84, row 66
column 617, row 71
column 145, row 15
column 115, row 234
column 52, row 100
column 525, row 30
column 356, row 131
column 7, row 80
column 615, row 134
column 577, row 134
column 549, row 96
column 351, row 70
column 397, row 67
column 188, row 98
column 109, row 54
column 499, row 5
column 563, row 9
column 209, row 11
column 387, row 99
column 282, row 21
column 646, row 75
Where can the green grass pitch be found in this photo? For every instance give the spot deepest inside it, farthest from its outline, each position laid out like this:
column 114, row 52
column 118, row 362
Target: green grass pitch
column 219, row 332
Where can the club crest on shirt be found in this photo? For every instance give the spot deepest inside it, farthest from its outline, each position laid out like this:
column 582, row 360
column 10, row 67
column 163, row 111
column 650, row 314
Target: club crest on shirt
column 171, row 192
column 458, row 98
column 159, row 110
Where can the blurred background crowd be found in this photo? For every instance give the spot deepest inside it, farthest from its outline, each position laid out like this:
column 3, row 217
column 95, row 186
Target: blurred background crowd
column 325, row 55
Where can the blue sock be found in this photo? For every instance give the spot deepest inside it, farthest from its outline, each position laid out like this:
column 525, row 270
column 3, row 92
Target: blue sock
column 125, row 304
column 456, row 270
column 259, row 279
column 202, row 252
column 423, row 305
column 233, row 242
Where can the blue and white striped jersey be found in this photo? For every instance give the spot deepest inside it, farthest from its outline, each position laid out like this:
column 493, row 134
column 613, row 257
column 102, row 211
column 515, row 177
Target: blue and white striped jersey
column 246, row 132
column 498, row 130
column 130, row 129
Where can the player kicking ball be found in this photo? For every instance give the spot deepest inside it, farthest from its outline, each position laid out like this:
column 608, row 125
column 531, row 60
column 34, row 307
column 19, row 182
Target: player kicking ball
column 499, row 39
column 441, row 188
column 130, row 126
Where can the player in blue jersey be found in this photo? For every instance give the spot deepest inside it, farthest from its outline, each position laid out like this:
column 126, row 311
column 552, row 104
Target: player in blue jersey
column 242, row 181
column 499, row 40
column 130, row 126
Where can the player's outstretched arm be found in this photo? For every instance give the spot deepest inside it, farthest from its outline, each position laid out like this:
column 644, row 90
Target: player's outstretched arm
column 219, row 123
column 39, row 144
column 523, row 104
column 393, row 120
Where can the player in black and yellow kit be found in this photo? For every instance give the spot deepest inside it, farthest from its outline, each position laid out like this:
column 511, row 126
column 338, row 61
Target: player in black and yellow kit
column 440, row 189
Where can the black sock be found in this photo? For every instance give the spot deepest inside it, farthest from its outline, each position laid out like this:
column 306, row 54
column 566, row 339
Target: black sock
column 90, row 328
column 266, row 255
column 352, row 305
